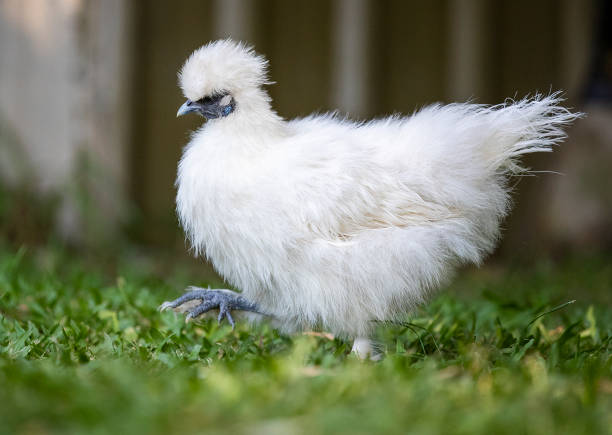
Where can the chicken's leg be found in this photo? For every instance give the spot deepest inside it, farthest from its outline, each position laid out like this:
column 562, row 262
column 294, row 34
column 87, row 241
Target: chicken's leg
column 224, row 300
column 364, row 349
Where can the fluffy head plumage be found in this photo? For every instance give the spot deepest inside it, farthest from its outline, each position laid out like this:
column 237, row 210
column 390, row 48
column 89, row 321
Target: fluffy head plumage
column 222, row 66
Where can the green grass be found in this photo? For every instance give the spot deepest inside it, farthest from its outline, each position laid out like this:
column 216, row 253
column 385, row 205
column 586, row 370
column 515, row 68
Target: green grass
column 82, row 352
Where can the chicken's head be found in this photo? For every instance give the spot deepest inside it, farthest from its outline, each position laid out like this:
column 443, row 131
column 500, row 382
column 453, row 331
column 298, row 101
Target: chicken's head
column 219, row 76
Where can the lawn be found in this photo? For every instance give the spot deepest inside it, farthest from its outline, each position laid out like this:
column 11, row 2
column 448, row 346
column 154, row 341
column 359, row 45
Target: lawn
column 501, row 350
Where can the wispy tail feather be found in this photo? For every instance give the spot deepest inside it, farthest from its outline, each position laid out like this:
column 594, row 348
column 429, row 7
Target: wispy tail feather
column 533, row 124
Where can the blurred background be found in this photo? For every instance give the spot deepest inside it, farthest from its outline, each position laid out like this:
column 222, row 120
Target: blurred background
column 89, row 141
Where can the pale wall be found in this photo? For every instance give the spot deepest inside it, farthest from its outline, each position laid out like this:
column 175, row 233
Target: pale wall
column 64, row 105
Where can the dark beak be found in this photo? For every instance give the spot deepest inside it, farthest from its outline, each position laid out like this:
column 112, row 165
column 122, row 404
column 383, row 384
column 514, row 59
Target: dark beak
column 187, row 107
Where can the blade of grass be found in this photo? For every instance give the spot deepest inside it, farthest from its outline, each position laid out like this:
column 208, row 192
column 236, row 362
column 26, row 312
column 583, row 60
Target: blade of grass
column 557, row 308
column 429, row 332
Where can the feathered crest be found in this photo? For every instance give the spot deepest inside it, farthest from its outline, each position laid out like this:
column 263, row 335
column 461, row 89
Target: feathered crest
column 223, row 65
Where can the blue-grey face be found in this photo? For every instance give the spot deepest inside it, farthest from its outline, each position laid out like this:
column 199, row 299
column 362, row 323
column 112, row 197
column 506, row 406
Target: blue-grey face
column 214, row 106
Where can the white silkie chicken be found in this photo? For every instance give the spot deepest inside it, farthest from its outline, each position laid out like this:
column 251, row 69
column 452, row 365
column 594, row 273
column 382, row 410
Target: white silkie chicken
column 327, row 223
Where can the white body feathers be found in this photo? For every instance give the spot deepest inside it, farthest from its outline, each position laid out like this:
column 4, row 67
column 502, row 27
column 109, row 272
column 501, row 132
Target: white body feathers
column 327, row 223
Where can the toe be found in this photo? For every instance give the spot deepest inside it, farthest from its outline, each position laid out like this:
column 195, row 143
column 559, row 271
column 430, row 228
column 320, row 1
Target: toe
column 230, row 319
column 200, row 309
column 190, row 296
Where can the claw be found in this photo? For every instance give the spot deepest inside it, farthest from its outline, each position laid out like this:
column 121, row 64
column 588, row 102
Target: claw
column 165, row 306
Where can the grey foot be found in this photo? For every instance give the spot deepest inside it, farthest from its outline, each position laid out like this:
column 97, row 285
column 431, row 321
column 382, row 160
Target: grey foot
column 224, row 300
